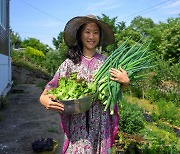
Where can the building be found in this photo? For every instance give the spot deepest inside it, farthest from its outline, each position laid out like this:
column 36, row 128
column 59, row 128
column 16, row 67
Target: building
column 5, row 58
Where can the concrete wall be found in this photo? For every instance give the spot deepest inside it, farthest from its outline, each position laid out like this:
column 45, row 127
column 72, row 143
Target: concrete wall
column 5, row 74
column 5, row 59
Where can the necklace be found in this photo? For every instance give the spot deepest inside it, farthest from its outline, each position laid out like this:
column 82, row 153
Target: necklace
column 88, row 56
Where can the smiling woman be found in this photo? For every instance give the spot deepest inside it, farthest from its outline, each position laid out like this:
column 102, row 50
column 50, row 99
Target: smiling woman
column 92, row 131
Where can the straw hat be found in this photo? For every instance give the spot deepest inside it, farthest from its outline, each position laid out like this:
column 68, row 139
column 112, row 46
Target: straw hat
column 70, row 30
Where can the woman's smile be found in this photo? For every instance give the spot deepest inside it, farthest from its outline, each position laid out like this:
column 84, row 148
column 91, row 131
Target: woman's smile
column 90, row 36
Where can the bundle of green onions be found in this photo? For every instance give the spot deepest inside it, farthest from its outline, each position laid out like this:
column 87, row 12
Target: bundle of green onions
column 132, row 59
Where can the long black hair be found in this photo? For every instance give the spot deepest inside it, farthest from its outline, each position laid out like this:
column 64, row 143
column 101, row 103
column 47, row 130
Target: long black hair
column 75, row 52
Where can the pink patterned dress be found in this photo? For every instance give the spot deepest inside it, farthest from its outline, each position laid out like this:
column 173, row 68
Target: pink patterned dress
column 92, row 132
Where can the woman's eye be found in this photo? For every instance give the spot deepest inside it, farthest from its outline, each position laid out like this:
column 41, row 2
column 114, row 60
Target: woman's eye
column 96, row 32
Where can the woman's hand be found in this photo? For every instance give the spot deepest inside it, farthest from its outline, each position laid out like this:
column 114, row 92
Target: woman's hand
column 119, row 76
column 49, row 102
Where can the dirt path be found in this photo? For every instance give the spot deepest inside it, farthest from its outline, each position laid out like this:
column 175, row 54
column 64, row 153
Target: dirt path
column 26, row 120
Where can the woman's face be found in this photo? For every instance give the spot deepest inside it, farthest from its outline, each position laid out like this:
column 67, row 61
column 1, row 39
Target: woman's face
column 90, row 36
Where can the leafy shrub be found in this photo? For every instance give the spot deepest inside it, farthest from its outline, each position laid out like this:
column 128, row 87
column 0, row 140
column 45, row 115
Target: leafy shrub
column 53, row 60
column 159, row 140
column 34, row 54
column 155, row 117
column 49, row 62
column 166, row 71
column 135, row 89
column 131, row 118
column 169, row 45
column 35, row 44
column 17, row 54
column 168, row 111
column 128, row 143
column 153, row 95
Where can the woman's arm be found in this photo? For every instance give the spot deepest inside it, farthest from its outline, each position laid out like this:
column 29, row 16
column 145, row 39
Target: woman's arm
column 120, row 76
column 47, row 100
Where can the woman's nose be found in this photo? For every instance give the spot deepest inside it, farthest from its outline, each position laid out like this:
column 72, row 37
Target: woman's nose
column 91, row 35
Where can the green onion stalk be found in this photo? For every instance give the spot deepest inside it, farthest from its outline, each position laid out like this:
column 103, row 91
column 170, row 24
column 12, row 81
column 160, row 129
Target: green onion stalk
column 133, row 59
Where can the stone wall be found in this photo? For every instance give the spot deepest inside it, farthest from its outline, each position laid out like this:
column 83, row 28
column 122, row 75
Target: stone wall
column 24, row 76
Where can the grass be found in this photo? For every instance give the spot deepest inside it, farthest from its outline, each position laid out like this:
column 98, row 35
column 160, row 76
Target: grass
column 144, row 104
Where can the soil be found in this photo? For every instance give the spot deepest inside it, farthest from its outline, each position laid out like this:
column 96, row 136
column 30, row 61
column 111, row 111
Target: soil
column 25, row 120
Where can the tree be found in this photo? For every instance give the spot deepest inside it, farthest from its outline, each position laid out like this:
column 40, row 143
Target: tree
column 130, row 34
column 111, row 22
column 170, row 44
column 36, row 44
column 59, row 40
column 155, row 37
column 116, row 27
column 142, row 25
column 15, row 39
column 120, row 26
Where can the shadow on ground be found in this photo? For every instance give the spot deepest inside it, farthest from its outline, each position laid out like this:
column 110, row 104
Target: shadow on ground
column 26, row 120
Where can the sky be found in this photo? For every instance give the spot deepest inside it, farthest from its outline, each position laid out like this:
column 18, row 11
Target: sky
column 45, row 19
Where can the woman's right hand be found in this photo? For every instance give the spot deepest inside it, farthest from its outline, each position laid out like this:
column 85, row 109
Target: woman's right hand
column 49, row 102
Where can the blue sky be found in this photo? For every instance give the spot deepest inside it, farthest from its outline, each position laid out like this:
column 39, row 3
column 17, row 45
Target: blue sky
column 44, row 19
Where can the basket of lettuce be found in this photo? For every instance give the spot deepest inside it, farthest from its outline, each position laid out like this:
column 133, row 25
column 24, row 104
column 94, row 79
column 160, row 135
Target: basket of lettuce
column 75, row 93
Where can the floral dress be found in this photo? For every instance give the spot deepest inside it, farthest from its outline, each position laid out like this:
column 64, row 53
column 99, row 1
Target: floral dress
column 92, row 132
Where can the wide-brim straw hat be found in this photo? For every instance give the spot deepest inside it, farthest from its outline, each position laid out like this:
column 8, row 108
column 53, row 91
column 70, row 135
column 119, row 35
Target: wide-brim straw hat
column 72, row 26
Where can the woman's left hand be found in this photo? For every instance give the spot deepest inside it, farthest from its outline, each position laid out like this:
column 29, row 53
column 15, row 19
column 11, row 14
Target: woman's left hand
column 119, row 76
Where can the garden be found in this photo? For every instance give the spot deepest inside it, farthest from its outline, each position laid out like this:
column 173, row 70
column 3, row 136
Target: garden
column 150, row 109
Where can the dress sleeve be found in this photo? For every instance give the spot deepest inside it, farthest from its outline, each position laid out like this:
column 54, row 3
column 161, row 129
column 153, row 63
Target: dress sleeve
column 63, row 71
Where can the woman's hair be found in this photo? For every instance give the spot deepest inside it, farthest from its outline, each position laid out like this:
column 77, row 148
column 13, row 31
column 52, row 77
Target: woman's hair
column 75, row 52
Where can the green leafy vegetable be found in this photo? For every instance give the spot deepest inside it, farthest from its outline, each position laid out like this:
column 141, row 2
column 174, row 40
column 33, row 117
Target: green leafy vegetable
column 72, row 88
column 133, row 59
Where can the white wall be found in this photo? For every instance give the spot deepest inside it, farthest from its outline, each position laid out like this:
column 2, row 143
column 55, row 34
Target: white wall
column 5, row 73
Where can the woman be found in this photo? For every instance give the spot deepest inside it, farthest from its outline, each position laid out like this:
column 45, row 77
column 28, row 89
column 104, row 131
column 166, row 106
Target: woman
column 93, row 131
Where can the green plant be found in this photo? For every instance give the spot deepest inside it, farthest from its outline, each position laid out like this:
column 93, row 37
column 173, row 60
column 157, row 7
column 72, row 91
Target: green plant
column 155, row 116
column 133, row 59
column 159, row 140
column 17, row 54
column 153, row 95
column 72, row 88
column 165, row 127
column 34, row 54
column 128, row 143
column 168, row 111
column 169, row 45
column 162, row 82
column 52, row 61
column 132, row 119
